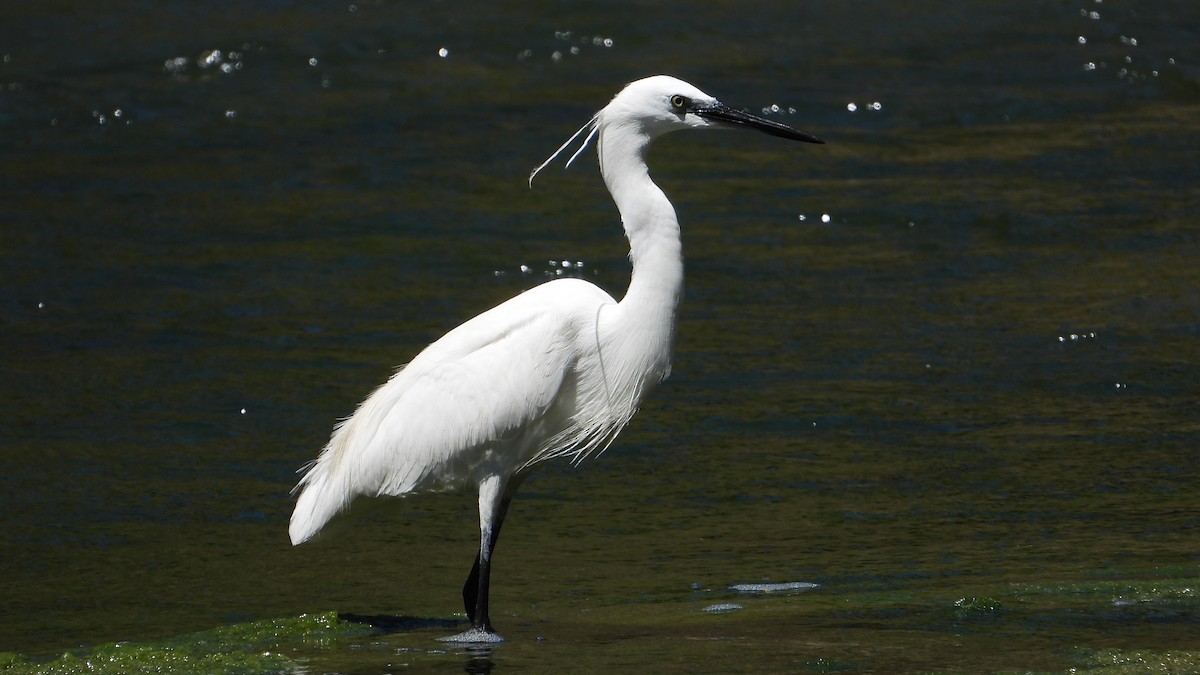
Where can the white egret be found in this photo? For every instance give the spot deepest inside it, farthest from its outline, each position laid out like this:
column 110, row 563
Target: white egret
column 557, row 371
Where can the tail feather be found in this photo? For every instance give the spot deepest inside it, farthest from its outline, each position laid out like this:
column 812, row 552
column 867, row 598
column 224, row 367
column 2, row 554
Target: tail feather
column 317, row 504
column 328, row 487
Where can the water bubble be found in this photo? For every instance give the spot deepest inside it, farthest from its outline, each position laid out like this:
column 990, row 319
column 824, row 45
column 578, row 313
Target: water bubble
column 175, row 66
column 608, row 42
column 526, row 269
column 230, row 114
column 852, row 106
column 556, row 56
column 209, row 59
column 575, row 50
column 1082, row 40
column 1089, row 66
column 876, row 106
column 443, row 52
column 521, row 56
column 825, row 218
column 802, row 217
column 243, row 411
column 312, row 61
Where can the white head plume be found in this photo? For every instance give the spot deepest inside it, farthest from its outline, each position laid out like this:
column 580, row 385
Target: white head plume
column 594, row 123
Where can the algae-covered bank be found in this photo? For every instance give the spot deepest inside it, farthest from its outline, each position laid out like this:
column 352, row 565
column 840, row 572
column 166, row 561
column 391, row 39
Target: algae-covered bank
column 271, row 646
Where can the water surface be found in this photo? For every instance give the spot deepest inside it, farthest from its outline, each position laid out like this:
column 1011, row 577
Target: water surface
column 950, row 352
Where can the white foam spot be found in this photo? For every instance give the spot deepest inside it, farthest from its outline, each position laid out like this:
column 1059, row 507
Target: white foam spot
column 473, row 636
column 774, row 588
column 721, row 608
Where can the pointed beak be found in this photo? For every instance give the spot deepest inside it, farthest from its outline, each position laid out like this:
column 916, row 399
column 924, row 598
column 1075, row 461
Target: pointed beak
column 719, row 112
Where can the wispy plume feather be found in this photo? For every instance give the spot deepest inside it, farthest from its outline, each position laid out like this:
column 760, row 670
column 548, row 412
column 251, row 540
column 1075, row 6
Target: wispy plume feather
column 593, row 124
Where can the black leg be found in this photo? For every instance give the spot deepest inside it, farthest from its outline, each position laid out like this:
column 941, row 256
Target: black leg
column 471, row 590
column 495, row 494
column 493, row 506
column 480, row 620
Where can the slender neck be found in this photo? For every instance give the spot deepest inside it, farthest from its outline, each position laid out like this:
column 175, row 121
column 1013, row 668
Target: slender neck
column 650, row 225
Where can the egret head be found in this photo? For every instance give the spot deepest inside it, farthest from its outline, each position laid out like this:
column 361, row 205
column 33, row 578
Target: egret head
column 659, row 104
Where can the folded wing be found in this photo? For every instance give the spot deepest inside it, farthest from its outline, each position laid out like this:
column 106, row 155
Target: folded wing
column 458, row 411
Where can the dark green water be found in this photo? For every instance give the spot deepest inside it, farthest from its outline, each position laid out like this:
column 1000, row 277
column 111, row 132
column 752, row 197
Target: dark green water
column 973, row 388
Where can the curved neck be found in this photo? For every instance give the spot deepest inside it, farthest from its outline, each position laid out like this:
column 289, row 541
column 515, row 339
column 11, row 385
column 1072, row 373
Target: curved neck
column 650, row 225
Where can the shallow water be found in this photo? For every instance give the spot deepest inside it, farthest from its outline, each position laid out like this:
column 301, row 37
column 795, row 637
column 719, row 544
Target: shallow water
column 953, row 350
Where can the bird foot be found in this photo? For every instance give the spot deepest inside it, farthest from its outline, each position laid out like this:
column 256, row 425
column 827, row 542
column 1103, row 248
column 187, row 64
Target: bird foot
column 473, row 636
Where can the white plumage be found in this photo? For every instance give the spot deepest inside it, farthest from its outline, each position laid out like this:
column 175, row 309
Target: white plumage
column 557, row 371
column 495, row 394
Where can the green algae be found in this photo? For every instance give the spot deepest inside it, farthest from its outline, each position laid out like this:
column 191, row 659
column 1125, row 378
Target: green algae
column 1123, row 662
column 118, row 658
column 267, row 646
column 1162, row 592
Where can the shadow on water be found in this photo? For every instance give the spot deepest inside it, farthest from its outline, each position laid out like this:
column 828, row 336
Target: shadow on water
column 478, row 656
column 389, row 623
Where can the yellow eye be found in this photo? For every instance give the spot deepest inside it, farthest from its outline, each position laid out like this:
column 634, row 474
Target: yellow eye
column 678, row 102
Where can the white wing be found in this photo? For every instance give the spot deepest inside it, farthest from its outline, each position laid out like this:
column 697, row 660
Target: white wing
column 459, row 410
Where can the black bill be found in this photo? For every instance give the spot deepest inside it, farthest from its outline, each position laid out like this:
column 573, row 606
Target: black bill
column 723, row 113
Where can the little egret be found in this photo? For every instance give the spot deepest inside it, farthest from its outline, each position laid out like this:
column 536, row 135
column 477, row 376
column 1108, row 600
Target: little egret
column 557, row 371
